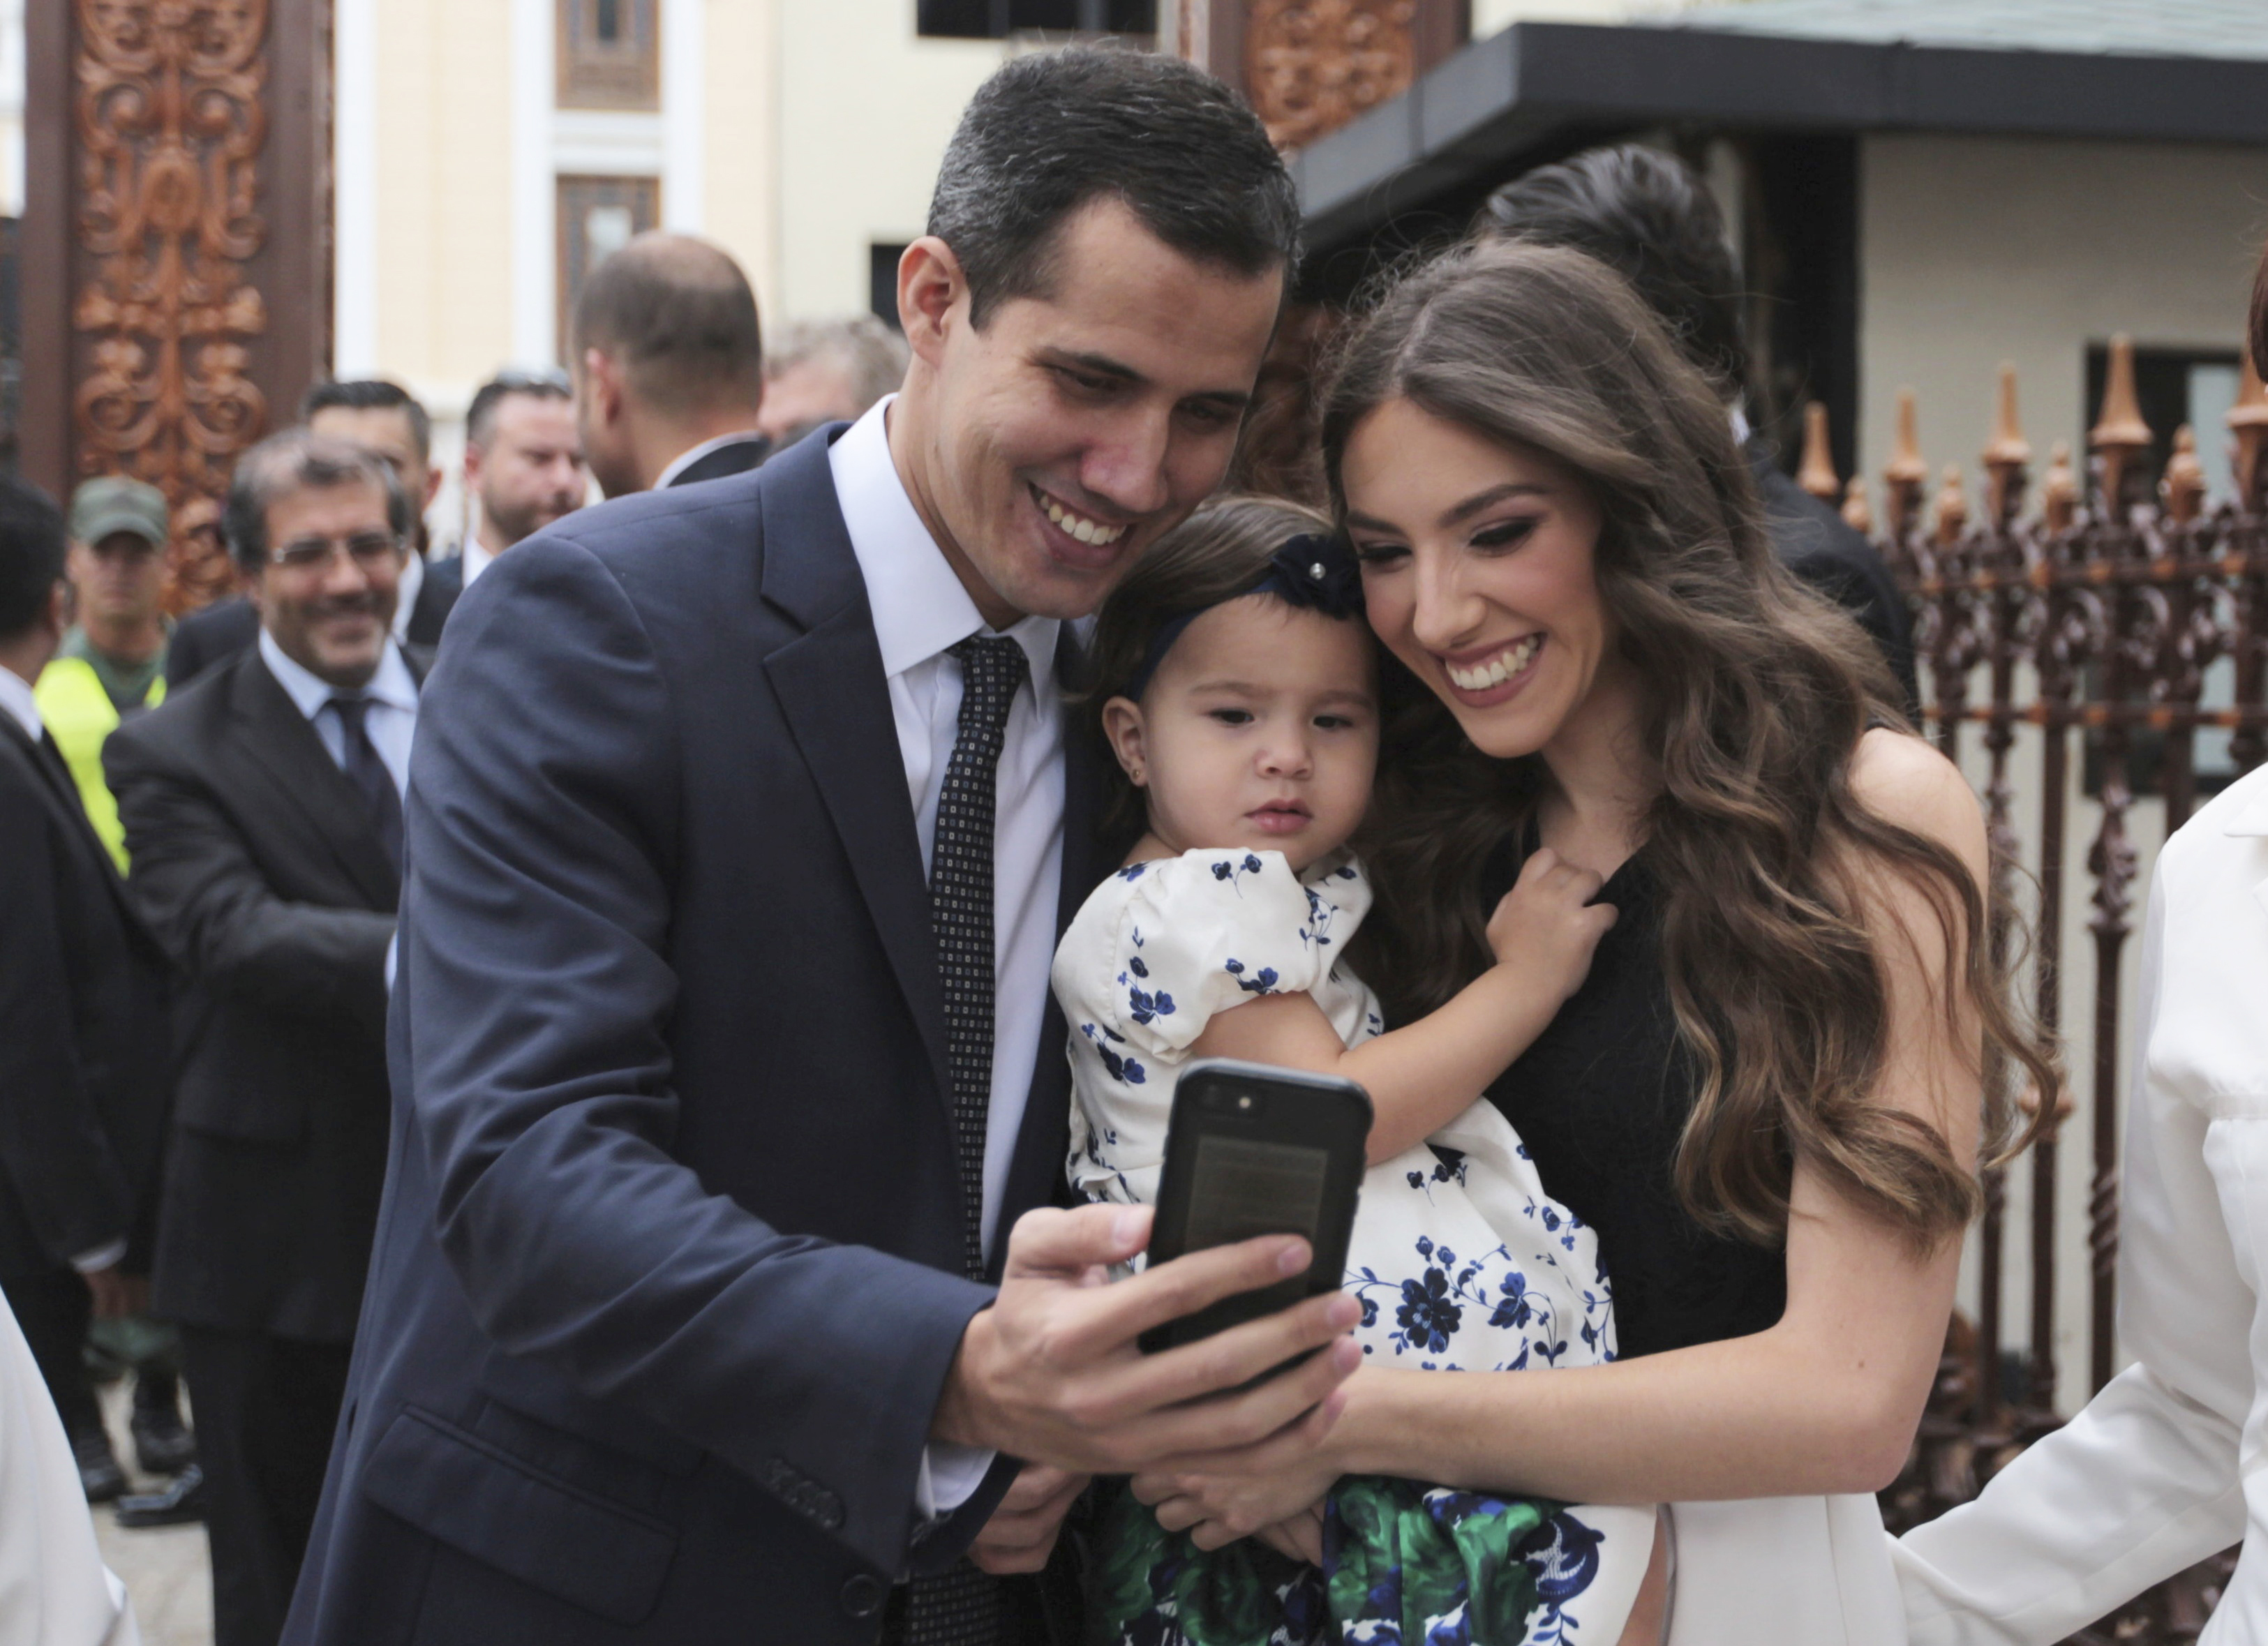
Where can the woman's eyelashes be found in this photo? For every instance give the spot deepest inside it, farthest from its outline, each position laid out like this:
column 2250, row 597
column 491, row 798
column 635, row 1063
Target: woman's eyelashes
column 1500, row 535
column 1378, row 556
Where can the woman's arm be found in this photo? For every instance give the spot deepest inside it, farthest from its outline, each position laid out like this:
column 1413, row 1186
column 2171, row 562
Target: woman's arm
column 1825, row 1401
column 1422, row 1076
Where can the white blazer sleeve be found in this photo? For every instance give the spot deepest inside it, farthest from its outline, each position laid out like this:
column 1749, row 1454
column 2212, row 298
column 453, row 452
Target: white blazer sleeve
column 55, row 1590
column 2144, row 1481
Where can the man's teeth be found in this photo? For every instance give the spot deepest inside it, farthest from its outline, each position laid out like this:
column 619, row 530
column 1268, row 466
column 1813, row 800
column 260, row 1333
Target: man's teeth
column 1076, row 525
column 1497, row 669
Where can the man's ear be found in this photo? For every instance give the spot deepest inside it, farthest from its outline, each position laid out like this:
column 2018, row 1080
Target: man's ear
column 603, row 385
column 57, row 616
column 432, row 486
column 1121, row 725
column 930, row 289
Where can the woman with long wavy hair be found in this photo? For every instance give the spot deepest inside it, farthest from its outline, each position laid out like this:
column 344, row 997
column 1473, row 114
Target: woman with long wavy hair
column 1771, row 1095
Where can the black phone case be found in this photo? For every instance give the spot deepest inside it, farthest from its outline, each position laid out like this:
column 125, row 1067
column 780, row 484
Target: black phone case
column 1222, row 1097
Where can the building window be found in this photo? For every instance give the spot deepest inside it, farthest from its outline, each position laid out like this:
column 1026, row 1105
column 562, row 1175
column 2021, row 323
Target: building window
column 596, row 215
column 610, row 53
column 997, row 19
column 882, row 282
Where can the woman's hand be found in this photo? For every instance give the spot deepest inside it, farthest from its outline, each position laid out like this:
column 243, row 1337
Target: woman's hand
column 1302, row 1537
column 1217, row 1509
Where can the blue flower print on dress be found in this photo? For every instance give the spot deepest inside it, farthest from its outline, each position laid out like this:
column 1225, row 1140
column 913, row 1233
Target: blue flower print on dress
column 1133, row 871
column 1428, row 1316
column 1261, row 982
column 1234, row 872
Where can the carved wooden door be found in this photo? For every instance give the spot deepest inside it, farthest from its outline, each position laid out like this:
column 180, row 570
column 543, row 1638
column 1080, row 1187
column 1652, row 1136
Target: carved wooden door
column 176, row 248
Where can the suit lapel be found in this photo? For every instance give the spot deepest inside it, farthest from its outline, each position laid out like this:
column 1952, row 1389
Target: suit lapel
column 831, row 688
column 281, row 741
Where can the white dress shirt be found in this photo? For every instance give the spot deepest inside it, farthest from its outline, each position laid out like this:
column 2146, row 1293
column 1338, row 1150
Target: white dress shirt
column 2166, row 1466
column 477, row 556
column 413, row 579
column 18, row 700
column 920, row 609
column 390, row 720
column 15, row 697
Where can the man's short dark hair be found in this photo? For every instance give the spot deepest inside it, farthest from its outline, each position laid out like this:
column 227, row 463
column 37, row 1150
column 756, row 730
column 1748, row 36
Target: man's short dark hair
column 292, row 460
column 1650, row 217
column 33, row 544
column 1050, row 132
column 373, row 395
column 481, row 415
column 679, row 316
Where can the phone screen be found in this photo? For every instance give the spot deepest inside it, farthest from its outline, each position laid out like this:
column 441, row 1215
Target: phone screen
column 1244, row 1186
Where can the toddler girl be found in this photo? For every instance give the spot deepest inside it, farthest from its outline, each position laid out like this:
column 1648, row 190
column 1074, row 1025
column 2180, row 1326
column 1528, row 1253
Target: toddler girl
column 1238, row 687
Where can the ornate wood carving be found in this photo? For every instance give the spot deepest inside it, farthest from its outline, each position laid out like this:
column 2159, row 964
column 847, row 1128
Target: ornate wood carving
column 1309, row 66
column 171, row 123
column 178, row 174
column 1313, row 65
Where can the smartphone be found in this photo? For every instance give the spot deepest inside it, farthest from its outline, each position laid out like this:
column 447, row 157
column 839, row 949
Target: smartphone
column 1251, row 1151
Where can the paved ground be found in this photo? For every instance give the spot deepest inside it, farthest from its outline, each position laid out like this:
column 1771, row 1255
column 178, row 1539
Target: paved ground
column 164, row 1568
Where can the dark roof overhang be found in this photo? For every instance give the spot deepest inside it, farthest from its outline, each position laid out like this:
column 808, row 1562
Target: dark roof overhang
column 1532, row 88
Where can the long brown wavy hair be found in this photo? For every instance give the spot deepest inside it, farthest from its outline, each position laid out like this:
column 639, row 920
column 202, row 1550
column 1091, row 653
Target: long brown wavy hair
column 1757, row 693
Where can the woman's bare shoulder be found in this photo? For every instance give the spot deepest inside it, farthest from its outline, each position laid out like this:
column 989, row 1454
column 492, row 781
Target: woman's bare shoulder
column 1901, row 779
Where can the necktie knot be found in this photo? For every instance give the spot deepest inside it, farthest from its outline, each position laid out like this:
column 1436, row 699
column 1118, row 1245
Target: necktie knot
column 991, row 666
column 350, row 711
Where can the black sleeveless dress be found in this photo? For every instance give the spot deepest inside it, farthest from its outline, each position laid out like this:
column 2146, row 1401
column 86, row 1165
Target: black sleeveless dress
column 1599, row 1099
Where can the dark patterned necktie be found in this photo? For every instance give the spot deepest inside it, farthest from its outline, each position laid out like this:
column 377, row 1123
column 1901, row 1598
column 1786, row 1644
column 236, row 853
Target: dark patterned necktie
column 962, row 1606
column 370, row 779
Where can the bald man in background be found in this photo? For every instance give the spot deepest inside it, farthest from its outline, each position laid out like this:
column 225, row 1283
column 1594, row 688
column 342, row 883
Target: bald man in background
column 668, row 366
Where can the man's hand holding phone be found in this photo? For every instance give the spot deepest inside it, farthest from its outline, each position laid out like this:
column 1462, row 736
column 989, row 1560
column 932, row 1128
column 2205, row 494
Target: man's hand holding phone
column 1053, row 1372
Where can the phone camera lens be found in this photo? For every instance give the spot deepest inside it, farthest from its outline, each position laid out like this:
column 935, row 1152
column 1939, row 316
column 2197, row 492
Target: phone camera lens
column 1244, row 1102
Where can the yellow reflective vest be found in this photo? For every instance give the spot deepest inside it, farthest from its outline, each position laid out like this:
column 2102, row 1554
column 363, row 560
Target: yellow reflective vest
column 80, row 718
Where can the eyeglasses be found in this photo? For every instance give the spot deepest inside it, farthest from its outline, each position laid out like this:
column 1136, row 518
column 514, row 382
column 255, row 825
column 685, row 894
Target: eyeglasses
column 512, row 380
column 369, row 550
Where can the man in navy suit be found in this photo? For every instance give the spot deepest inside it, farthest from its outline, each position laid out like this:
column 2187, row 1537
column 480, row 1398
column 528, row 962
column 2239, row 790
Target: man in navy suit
column 740, row 833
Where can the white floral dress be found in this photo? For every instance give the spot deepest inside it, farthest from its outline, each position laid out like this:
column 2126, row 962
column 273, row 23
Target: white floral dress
column 1461, row 1260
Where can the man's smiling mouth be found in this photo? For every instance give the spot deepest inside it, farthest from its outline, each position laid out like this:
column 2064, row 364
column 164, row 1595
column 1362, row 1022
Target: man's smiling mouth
column 1076, row 525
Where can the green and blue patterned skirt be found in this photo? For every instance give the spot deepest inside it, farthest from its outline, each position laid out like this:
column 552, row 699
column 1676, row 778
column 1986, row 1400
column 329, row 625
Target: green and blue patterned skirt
column 1403, row 1562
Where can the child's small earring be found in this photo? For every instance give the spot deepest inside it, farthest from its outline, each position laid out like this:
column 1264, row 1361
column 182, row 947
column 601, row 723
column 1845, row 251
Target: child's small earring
column 1135, row 776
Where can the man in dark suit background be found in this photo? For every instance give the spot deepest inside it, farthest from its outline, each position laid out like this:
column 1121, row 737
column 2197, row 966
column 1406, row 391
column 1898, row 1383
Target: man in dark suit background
column 523, row 468
column 668, row 366
column 262, row 807
column 384, row 418
column 724, row 1055
column 85, row 1057
column 1651, row 217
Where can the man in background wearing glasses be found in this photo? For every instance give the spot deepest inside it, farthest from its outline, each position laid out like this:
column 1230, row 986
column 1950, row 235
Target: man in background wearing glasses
column 385, row 418
column 262, row 807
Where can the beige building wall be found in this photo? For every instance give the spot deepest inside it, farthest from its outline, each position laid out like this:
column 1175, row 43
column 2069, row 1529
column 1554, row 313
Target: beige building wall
column 740, row 137
column 2058, row 243
column 865, row 108
column 443, row 176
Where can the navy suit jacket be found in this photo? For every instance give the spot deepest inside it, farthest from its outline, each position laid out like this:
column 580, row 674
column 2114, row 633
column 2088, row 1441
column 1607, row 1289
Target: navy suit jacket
column 666, row 1280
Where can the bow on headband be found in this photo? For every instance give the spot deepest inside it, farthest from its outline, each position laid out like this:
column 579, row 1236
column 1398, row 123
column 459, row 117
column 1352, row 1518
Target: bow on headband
column 1313, row 571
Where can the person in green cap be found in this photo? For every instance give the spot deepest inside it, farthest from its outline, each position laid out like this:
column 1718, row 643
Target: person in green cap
column 113, row 662
column 111, row 667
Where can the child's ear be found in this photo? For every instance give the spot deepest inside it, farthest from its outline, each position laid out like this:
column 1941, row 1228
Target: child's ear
column 1122, row 724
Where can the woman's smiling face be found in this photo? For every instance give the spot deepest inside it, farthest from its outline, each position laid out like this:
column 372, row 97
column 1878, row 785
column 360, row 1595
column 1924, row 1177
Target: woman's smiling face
column 1477, row 570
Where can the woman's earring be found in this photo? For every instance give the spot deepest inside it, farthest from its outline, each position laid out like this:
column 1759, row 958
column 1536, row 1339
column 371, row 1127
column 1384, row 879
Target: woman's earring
column 1135, row 776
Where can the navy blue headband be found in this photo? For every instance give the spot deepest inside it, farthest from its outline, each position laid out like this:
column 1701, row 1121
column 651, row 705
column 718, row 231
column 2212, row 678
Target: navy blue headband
column 1313, row 571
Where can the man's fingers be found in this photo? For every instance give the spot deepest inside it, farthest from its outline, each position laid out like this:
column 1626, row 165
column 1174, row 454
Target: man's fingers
column 1230, row 1359
column 1230, row 1423
column 1289, row 1444
column 1166, row 1291
column 1038, row 1485
column 1048, row 1241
